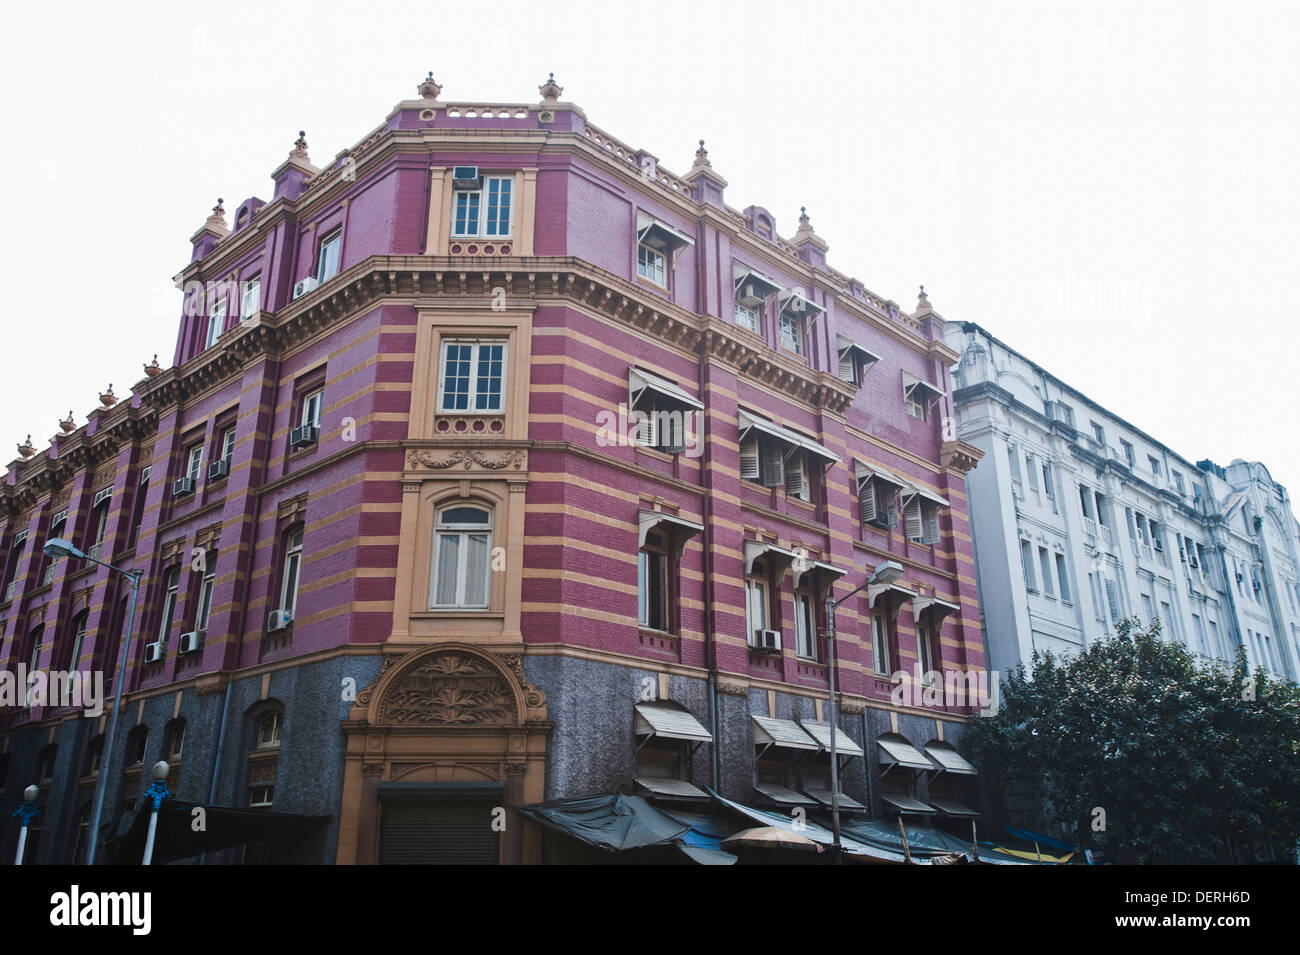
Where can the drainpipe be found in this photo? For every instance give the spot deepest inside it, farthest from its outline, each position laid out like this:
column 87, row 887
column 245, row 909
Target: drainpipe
column 706, row 539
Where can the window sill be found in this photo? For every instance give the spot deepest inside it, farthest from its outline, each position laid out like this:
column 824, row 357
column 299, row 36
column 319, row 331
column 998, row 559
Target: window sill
column 651, row 284
column 438, row 613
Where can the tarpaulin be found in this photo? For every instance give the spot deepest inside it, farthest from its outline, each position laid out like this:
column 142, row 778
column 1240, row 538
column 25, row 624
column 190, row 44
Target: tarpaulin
column 183, row 833
column 612, row 822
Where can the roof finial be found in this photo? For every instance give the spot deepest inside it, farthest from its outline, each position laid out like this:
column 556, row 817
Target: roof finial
column 550, row 90
column 429, row 89
column 299, row 150
column 702, row 156
column 107, row 398
column 922, row 300
column 68, row 424
column 27, row 449
column 217, row 221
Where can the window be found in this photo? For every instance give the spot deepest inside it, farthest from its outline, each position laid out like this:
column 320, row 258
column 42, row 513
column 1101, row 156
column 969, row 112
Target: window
column 1027, row 560
column 1045, row 565
column 462, row 550
column 99, row 523
column 756, row 603
column 485, row 211
column 78, row 638
column 292, row 568
column 216, row 321
column 805, row 625
column 261, row 797
column 36, row 657
column 311, row 408
column 797, row 483
column 921, row 517
column 1148, row 608
column 1129, row 456
column 1047, row 481
column 226, row 446
column 747, row 316
column 251, row 300
column 175, row 746
column 1178, row 482
column 652, row 583
column 204, row 613
column 136, row 744
column 194, row 463
column 923, row 650
column 1155, row 465
column 651, row 265
column 268, row 730
column 915, row 407
column 327, row 260
column 1099, row 433
column 1031, row 469
column 1199, row 628
column 1063, row 578
column 473, row 376
column 879, row 502
column 791, row 333
column 880, row 644
column 94, row 757
column 1167, row 618
column 168, row 616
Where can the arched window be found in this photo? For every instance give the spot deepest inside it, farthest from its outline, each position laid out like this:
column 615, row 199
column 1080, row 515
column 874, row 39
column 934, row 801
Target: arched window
column 268, row 730
column 462, row 553
column 292, row 568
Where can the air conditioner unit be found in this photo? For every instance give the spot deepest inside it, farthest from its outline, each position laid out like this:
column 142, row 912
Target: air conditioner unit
column 153, row 652
column 304, row 286
column 218, row 469
column 182, row 486
column 767, row 640
column 304, row 436
column 279, row 620
column 465, row 177
column 190, row 642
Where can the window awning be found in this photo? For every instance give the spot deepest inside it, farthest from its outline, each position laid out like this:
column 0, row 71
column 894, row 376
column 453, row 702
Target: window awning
column 895, row 750
column 783, row 796
column 938, row 608
column 669, row 788
column 920, row 389
column 821, row 732
column 948, row 759
column 639, row 381
column 783, row 556
column 823, row 796
column 794, row 303
column 682, row 529
column 752, row 422
column 952, row 808
column 877, row 591
column 863, row 471
column 752, row 286
column 906, row 804
column 921, row 492
column 818, row 568
column 660, row 235
column 784, row 734
column 669, row 721
column 865, row 356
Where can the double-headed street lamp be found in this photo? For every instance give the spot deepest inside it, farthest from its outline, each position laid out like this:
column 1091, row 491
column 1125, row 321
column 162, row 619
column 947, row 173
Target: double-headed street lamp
column 56, row 548
column 886, row 573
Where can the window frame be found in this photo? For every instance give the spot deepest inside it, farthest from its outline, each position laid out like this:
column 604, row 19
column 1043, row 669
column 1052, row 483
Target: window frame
column 250, row 288
column 649, row 270
column 805, row 624
column 194, row 462
column 794, row 343
column 291, row 569
column 472, row 379
column 333, row 241
column 464, row 532
column 482, row 218
column 653, row 553
column 216, row 321
column 170, row 599
column 881, row 651
column 756, row 600
column 312, row 398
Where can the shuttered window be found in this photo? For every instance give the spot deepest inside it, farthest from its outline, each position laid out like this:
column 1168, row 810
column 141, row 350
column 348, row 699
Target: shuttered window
column 913, row 518
column 438, row 832
column 1112, row 599
column 796, row 476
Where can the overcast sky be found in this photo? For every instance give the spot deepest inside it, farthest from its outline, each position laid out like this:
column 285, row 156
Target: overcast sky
column 1110, row 188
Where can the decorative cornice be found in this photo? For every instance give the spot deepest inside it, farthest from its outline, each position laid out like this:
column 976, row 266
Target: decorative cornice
column 959, row 456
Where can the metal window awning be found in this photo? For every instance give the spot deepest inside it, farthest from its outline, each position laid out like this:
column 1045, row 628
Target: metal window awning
column 948, row 759
column 907, row 804
column 920, row 389
column 656, row 234
column 895, row 750
column 103, row 494
column 877, row 591
column 669, row 721
column 948, row 807
column 819, row 569
column 682, row 529
column 669, row 788
column 914, row 491
column 752, row 286
column 783, row 734
column 639, row 381
column 783, row 796
column 783, row 557
column 821, row 732
column 752, row 422
column 798, row 304
column 844, row 345
column 823, row 796
column 863, row 471
column 938, row 608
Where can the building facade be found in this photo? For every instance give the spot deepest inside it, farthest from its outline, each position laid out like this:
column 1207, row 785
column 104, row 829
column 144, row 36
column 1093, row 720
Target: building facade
column 1081, row 520
column 498, row 464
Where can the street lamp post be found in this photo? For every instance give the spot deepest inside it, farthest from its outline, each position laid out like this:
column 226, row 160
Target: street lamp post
column 156, row 793
column 27, row 812
column 886, row 573
column 56, row 548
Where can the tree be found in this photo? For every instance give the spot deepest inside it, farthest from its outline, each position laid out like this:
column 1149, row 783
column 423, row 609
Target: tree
column 1186, row 763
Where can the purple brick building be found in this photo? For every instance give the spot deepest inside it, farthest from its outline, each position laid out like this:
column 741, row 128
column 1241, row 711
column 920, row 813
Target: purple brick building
column 497, row 464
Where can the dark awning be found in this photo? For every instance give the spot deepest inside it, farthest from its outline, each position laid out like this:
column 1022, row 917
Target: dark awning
column 224, row 828
column 612, row 822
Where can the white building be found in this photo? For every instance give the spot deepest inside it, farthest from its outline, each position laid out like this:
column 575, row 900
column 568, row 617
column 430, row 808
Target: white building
column 1081, row 519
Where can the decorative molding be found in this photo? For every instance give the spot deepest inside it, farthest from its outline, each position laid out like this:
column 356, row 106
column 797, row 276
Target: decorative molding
column 496, row 460
column 450, row 688
column 733, row 688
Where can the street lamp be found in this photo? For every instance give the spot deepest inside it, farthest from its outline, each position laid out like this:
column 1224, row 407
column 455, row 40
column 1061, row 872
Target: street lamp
column 156, row 793
column 886, row 573
column 56, row 548
column 27, row 812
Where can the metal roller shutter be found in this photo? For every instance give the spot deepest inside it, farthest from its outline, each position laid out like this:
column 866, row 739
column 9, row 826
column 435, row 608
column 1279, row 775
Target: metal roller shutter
column 437, row 832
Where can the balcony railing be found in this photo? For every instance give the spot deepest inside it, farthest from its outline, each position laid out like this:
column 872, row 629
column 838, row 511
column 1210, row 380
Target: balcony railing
column 1090, row 527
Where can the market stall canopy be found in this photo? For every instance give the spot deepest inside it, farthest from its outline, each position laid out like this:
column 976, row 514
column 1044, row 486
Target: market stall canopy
column 611, row 822
column 224, row 828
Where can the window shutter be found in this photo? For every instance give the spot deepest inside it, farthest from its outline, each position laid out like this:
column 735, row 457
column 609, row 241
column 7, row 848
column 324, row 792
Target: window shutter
column 749, row 458
column 932, row 524
column 1033, row 471
column 1047, row 480
column 847, row 369
column 796, row 477
column 1014, row 455
column 646, row 427
column 773, row 473
column 912, row 515
column 867, row 498
column 1112, row 598
column 891, row 508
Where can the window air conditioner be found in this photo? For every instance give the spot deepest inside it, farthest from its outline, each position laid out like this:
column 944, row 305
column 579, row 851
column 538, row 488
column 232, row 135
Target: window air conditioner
column 279, row 620
column 190, row 641
column 466, row 177
column 303, row 436
column 304, row 286
column 153, row 652
column 182, row 486
column 218, row 469
column 767, row 640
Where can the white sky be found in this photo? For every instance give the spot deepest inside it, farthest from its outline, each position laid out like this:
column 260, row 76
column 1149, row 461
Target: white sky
column 1107, row 187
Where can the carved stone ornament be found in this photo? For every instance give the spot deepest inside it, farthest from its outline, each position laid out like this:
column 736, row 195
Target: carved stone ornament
column 731, row 688
column 468, row 458
column 450, row 689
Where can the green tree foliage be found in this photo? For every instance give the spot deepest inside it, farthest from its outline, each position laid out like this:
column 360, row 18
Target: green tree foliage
column 1188, row 763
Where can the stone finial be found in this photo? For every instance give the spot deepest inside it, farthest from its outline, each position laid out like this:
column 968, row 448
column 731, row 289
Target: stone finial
column 27, row 449
column 299, row 150
column 107, row 398
column 805, row 225
column 922, row 300
column 68, row 425
column 550, row 90
column 153, row 369
column 429, row 89
column 217, row 221
column 702, row 156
